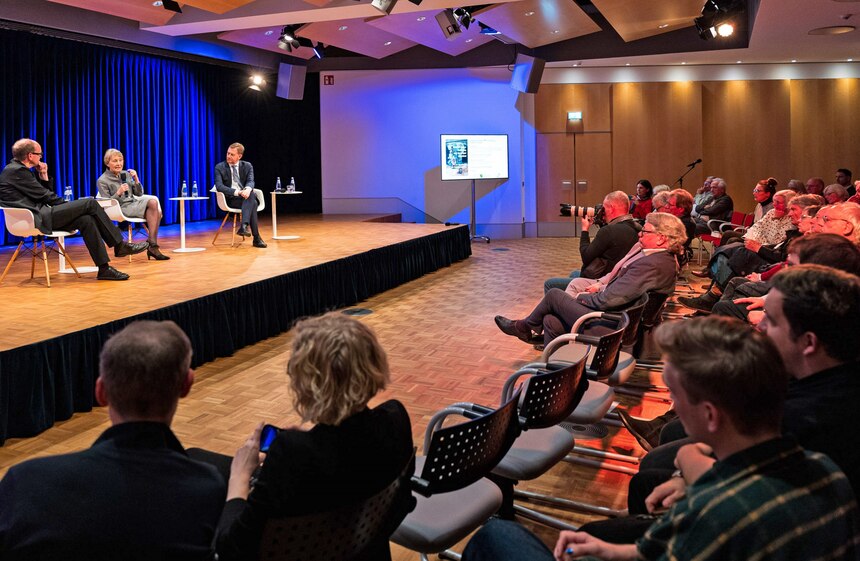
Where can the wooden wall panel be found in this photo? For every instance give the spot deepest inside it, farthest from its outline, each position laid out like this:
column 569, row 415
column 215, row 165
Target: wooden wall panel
column 554, row 164
column 824, row 128
column 656, row 132
column 594, row 165
column 747, row 127
column 553, row 101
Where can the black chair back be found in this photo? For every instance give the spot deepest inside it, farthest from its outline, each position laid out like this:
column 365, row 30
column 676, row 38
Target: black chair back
column 551, row 395
column 350, row 533
column 607, row 346
column 460, row 455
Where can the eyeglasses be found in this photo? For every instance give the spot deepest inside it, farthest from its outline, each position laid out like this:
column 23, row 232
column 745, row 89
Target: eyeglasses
column 757, row 190
column 37, row 154
column 644, row 231
column 825, row 219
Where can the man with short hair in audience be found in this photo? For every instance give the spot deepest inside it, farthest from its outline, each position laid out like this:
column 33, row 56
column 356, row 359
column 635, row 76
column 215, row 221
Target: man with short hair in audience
column 703, row 196
column 650, row 265
column 720, row 208
column 815, row 186
column 610, row 244
column 134, row 494
column 844, row 178
column 763, row 497
column 840, row 219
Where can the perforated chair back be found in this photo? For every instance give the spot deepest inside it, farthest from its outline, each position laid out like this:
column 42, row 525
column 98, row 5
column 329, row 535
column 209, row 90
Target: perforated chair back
column 345, row 533
column 608, row 346
column 551, row 394
column 634, row 316
column 460, row 455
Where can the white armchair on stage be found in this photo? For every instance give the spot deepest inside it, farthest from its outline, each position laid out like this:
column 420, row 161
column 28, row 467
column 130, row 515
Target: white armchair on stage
column 20, row 222
column 114, row 211
column 235, row 212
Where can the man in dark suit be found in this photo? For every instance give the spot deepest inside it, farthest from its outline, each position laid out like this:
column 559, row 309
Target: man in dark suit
column 24, row 183
column 135, row 494
column 235, row 179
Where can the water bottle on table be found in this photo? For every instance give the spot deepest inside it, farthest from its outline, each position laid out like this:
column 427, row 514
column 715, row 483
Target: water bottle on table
column 278, row 185
column 292, row 186
column 194, row 189
column 67, row 193
column 183, row 192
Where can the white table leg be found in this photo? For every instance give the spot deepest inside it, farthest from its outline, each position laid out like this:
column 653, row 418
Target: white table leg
column 274, row 215
column 63, row 269
column 182, row 248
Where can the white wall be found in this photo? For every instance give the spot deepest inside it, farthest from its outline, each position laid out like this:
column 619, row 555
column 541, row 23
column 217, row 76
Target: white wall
column 380, row 145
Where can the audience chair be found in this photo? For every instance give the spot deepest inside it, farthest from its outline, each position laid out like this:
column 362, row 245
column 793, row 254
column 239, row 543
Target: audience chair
column 354, row 532
column 740, row 222
column 21, row 223
column 114, row 211
column 454, row 497
column 235, row 213
column 550, row 394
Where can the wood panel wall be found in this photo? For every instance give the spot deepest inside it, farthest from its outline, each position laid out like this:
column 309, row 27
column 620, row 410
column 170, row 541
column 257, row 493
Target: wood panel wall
column 743, row 130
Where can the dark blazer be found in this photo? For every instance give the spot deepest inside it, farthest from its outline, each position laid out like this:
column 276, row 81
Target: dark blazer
column 656, row 272
column 134, row 495
column 224, row 179
column 610, row 245
column 318, row 470
column 21, row 188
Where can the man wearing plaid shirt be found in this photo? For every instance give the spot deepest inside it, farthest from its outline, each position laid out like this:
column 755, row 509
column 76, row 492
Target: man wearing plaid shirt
column 763, row 498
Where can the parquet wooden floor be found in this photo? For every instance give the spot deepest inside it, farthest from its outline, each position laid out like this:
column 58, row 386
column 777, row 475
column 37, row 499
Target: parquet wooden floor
column 442, row 344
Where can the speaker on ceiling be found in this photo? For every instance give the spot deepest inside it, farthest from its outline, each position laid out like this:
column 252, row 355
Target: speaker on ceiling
column 448, row 23
column 527, row 73
column 291, row 81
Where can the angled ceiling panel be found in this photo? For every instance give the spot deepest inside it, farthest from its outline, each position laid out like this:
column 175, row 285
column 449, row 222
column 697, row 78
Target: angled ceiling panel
column 422, row 28
column 259, row 39
column 358, row 36
column 637, row 19
column 535, row 23
column 137, row 11
column 216, row 6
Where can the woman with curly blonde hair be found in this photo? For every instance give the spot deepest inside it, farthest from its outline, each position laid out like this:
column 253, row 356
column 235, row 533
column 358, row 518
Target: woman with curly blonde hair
column 352, row 452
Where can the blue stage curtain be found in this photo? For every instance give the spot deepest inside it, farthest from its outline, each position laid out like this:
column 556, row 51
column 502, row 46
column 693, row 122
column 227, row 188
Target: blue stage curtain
column 171, row 119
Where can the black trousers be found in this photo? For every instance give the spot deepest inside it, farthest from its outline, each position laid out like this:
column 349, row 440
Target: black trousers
column 249, row 210
column 87, row 216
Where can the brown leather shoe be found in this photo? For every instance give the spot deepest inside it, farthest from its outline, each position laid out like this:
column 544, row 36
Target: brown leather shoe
column 510, row 327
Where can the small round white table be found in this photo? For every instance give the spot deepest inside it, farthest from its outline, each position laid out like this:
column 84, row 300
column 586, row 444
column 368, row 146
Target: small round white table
column 181, row 200
column 275, row 214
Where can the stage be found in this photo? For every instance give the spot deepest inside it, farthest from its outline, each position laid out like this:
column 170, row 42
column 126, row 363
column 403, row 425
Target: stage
column 225, row 298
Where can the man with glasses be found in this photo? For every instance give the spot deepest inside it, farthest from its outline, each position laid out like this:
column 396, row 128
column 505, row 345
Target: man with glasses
column 840, row 219
column 651, row 265
column 24, row 183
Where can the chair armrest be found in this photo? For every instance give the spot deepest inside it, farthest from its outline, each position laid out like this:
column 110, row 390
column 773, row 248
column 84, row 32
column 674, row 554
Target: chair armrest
column 583, row 319
column 559, row 341
column 112, row 209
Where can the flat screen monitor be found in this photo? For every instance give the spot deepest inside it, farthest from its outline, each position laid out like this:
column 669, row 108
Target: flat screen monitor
column 474, row 156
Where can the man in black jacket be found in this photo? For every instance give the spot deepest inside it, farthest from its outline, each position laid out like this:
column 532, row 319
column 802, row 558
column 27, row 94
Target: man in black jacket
column 720, row 208
column 24, row 183
column 134, row 494
column 610, row 244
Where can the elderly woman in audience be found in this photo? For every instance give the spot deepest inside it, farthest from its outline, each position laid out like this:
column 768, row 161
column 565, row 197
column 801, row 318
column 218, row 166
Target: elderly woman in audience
column 835, row 193
column 660, row 201
column 640, row 203
column 124, row 186
column 352, row 452
column 681, row 205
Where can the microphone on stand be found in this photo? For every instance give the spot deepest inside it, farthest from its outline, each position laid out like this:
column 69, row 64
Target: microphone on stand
column 699, row 161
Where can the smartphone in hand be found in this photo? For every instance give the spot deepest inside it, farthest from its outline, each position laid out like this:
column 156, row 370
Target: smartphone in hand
column 267, row 436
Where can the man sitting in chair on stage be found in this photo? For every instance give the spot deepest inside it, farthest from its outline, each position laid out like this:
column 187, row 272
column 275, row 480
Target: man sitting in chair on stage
column 235, row 179
column 24, row 183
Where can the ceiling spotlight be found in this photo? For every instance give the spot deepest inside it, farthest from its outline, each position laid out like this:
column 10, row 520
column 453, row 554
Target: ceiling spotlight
column 288, row 40
column 384, row 6
column 269, row 33
column 832, row 30
column 421, row 18
column 386, row 43
column 464, row 17
column 529, row 14
column 663, row 26
column 343, row 28
column 718, row 18
column 158, row 3
column 171, row 5
column 257, row 80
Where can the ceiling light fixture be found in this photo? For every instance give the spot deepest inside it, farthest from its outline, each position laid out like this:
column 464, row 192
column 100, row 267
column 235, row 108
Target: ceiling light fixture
column 664, row 26
column 719, row 18
column 464, row 17
column 257, row 82
column 832, row 30
column 529, row 14
column 384, row 6
column 289, row 39
column 420, row 18
column 386, row 43
column 319, row 50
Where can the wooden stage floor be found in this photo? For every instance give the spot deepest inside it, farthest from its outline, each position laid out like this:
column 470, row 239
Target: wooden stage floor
column 32, row 312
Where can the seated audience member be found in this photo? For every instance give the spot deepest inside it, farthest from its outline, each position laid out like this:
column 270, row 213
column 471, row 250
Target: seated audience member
column 720, row 208
column 835, row 193
column 125, row 187
column 808, row 314
column 763, row 194
column 763, row 497
column 681, row 205
column 336, row 367
column 660, row 188
column 611, row 243
column 703, row 196
column 797, row 186
column 815, row 186
column 640, row 203
column 829, row 250
column 651, row 265
column 844, row 178
column 235, row 179
column 135, row 494
column 659, row 201
column 842, row 219
column 24, row 183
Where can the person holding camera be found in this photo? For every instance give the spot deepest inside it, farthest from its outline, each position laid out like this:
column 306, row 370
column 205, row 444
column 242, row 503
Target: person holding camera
column 610, row 244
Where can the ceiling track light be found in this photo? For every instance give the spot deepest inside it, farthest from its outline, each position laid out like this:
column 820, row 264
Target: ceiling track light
column 719, row 18
column 464, row 17
column 289, row 39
